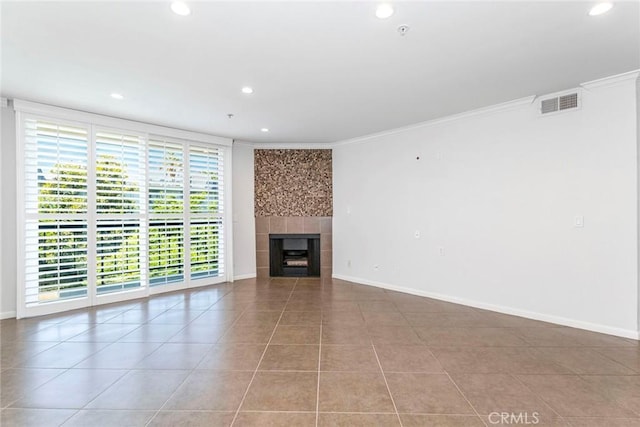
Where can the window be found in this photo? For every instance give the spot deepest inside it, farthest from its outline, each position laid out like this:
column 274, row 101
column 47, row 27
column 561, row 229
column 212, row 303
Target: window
column 56, row 211
column 206, row 209
column 110, row 214
column 119, row 169
column 166, row 212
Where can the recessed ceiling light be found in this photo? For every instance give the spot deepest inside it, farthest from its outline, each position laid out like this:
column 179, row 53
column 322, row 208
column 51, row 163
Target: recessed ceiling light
column 264, row 130
column 180, row 8
column 384, row 11
column 600, row 8
column 247, row 89
column 117, row 96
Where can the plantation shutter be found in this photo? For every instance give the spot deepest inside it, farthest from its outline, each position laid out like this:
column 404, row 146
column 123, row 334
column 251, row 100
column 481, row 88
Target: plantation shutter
column 120, row 207
column 166, row 212
column 56, row 210
column 206, row 206
column 110, row 210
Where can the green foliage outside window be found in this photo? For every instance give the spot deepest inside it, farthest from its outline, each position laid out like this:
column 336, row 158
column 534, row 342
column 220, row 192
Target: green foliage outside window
column 63, row 242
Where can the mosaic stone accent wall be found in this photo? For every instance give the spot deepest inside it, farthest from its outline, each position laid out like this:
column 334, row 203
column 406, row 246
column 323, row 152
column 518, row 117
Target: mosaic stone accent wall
column 293, row 183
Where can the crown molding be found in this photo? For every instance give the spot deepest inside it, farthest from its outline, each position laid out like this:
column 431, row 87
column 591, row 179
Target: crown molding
column 528, row 100
column 284, row 145
column 611, row 80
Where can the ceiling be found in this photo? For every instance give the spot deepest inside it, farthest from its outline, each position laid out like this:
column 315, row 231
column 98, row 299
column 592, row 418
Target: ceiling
column 321, row 71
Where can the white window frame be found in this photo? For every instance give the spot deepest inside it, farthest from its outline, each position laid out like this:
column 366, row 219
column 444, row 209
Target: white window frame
column 95, row 122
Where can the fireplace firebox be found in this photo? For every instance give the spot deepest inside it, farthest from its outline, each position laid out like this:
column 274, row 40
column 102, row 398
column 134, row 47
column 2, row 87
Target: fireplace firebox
column 294, row 255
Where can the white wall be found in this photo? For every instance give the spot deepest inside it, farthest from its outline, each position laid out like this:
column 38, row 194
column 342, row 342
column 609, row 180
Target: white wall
column 499, row 191
column 638, row 154
column 8, row 214
column 244, row 234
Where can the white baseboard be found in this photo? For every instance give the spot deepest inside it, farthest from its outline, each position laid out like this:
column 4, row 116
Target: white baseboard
column 7, row 315
column 563, row 321
column 244, row 276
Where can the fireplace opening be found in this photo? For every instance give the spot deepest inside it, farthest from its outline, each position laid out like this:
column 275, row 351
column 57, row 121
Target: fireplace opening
column 294, row 255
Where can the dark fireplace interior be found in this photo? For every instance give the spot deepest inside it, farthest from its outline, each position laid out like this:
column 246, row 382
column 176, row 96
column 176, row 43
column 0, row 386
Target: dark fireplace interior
column 294, row 255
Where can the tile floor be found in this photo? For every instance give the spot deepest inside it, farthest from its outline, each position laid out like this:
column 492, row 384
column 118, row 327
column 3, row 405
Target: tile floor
column 297, row 352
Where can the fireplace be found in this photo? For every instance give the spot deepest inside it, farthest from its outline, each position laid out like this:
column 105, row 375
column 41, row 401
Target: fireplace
column 294, row 255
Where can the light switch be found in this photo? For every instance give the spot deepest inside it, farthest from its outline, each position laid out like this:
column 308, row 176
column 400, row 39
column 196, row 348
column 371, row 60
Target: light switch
column 417, row 234
column 578, row 221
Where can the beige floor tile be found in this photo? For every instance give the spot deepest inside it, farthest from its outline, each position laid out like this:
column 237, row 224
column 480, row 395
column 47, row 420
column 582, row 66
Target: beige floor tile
column 210, row 391
column 16, row 383
column 140, row 390
column 384, row 318
column 487, row 360
column 571, row 396
column 287, row 357
column 413, row 420
column 175, row 356
column 282, row 391
column 624, row 389
column 627, row 356
column 427, row 394
column 63, row 355
column 345, row 334
column 194, row 354
column 72, row 389
column 301, row 318
column 348, row 358
column 101, row 417
column 407, row 358
column 288, row 334
column 469, row 337
column 119, row 355
column 377, row 306
column 354, row 392
column 254, row 334
column 503, row 393
column 582, row 360
column 35, row 417
column 152, row 333
column 233, row 357
column 275, row 419
column 192, row 419
column 398, row 335
column 358, row 420
column 602, row 422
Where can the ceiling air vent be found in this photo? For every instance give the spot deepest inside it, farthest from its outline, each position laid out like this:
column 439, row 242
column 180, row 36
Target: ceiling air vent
column 559, row 103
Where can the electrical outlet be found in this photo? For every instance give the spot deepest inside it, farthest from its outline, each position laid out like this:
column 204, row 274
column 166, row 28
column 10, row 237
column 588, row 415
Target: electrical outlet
column 441, row 250
column 349, row 263
column 417, row 234
column 375, row 267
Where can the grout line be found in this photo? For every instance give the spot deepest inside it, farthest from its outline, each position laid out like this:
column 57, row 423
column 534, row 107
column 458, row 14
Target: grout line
column 194, row 368
column 465, row 397
column 515, row 377
column 255, row 372
column 384, row 377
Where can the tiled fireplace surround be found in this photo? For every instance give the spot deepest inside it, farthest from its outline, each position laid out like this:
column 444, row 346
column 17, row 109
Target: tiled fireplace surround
column 288, row 225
